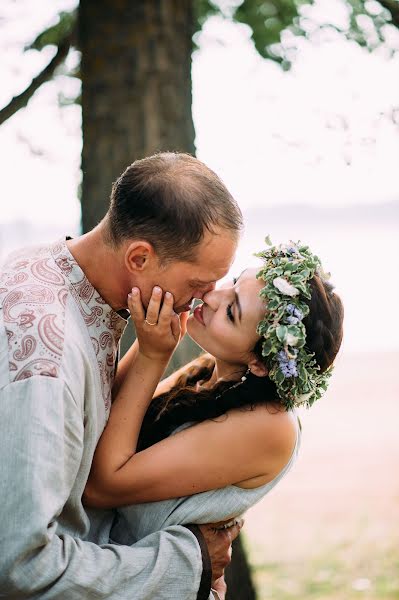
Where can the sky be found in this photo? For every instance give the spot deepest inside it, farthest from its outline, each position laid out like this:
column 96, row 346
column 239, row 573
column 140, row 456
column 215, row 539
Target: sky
column 322, row 136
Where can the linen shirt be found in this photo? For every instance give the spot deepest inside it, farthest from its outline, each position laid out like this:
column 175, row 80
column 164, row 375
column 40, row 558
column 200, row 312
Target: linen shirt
column 58, row 347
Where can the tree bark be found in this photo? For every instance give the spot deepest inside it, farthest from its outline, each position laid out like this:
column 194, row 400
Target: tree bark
column 136, row 89
column 393, row 7
column 238, row 575
column 136, row 100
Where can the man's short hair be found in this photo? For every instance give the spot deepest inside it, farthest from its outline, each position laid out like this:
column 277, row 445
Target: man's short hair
column 170, row 200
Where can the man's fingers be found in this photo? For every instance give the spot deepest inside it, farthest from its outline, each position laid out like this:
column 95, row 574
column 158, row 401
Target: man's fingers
column 234, row 531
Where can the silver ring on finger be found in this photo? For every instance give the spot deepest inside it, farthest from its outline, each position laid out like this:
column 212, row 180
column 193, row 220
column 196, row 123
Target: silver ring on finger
column 148, row 323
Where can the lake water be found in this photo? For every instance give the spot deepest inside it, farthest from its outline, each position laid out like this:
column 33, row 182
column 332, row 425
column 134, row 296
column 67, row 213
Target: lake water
column 358, row 245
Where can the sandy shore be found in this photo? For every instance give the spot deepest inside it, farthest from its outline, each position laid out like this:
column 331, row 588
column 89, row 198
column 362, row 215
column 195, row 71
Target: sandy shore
column 344, row 489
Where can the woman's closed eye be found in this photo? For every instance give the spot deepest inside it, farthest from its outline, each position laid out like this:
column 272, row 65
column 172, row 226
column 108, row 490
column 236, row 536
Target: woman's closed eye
column 229, row 312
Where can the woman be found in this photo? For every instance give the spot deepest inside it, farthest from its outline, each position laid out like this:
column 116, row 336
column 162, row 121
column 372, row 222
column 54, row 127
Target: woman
column 271, row 339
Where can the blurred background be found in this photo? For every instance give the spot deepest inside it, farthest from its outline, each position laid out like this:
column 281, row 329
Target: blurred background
column 295, row 104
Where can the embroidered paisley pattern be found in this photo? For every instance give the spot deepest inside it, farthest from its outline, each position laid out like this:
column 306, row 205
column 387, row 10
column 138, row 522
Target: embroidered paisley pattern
column 35, row 286
column 51, row 335
column 39, row 366
column 28, row 346
column 104, row 325
column 42, row 271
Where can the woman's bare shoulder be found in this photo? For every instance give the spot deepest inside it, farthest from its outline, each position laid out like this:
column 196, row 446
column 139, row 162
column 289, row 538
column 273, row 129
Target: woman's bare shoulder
column 269, row 434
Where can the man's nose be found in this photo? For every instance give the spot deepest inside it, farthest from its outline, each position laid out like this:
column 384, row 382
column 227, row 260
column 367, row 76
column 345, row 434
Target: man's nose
column 202, row 291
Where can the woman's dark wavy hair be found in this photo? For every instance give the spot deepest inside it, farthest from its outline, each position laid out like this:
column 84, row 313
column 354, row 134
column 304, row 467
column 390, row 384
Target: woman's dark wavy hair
column 182, row 404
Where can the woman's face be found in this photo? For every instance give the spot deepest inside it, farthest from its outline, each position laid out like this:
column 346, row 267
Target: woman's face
column 225, row 324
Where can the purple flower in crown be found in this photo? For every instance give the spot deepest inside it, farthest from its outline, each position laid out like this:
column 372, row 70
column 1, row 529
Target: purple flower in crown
column 287, row 365
column 294, row 314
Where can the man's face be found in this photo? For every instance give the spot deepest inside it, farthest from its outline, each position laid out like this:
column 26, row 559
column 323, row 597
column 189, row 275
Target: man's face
column 189, row 280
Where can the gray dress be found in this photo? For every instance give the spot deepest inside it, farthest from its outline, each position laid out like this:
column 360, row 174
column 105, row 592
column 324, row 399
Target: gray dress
column 139, row 520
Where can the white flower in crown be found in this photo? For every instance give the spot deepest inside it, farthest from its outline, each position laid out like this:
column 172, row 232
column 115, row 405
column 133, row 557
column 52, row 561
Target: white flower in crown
column 291, row 340
column 285, row 287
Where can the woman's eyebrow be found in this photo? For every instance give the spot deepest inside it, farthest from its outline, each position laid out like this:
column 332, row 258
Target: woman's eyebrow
column 237, row 301
column 240, row 275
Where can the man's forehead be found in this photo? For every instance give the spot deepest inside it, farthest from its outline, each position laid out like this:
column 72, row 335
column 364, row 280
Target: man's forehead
column 215, row 256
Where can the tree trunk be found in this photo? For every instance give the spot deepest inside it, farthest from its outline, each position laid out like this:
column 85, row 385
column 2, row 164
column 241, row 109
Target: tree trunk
column 136, row 89
column 238, row 575
column 136, row 100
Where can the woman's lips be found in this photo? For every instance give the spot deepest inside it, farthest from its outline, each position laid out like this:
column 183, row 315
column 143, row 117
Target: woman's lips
column 198, row 313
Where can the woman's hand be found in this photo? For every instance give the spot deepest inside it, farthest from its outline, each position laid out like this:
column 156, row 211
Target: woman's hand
column 158, row 329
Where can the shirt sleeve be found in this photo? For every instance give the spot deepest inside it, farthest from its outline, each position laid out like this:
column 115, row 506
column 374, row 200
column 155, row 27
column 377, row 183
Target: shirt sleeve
column 41, row 445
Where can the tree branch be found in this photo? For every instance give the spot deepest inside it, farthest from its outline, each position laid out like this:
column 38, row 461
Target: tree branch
column 393, row 7
column 22, row 99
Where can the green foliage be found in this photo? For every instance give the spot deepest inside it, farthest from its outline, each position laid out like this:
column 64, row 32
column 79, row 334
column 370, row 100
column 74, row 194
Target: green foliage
column 203, row 9
column 267, row 20
column 286, row 272
column 366, row 25
column 55, row 34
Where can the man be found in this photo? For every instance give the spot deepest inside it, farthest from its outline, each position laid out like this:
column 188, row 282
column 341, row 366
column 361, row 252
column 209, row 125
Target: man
column 171, row 222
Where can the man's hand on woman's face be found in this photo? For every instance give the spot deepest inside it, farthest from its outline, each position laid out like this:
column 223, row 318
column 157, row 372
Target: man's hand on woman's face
column 219, row 546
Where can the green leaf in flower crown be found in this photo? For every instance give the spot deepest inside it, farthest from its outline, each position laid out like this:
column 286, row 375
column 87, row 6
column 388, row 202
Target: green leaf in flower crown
column 279, row 377
column 301, row 342
column 296, row 270
column 273, row 304
column 290, row 267
column 281, row 333
column 267, row 347
column 268, row 241
column 302, row 372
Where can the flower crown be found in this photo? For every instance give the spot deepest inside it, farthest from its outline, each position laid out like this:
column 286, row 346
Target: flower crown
column 287, row 271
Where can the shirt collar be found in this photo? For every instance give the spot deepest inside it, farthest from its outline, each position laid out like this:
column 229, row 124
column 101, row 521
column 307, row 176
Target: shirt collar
column 95, row 310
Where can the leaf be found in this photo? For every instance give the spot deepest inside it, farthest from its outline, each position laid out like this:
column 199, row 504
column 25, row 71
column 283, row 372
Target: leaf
column 55, row 34
column 279, row 377
column 281, row 333
column 267, row 347
column 273, row 304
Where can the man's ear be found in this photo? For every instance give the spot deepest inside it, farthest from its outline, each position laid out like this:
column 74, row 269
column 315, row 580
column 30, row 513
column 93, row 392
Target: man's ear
column 138, row 256
column 257, row 367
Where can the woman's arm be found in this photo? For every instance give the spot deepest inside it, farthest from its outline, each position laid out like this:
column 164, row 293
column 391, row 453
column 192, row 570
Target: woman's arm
column 155, row 346
column 123, row 367
column 229, row 450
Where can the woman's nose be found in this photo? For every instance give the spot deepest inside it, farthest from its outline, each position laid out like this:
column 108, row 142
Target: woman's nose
column 213, row 298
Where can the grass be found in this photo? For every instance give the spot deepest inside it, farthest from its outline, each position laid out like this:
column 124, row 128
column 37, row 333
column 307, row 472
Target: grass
column 331, row 576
